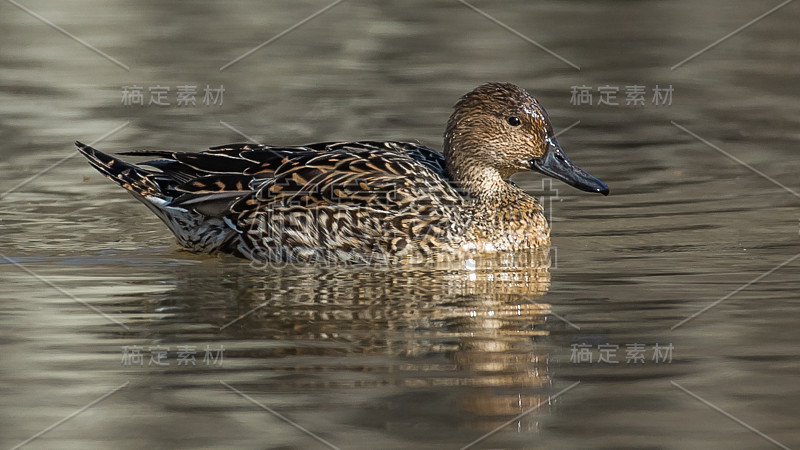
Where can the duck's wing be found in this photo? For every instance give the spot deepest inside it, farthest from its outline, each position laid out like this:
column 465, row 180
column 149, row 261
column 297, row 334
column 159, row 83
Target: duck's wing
column 231, row 178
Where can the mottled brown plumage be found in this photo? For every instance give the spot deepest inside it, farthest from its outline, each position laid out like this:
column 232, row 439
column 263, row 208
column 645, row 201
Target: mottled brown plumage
column 363, row 202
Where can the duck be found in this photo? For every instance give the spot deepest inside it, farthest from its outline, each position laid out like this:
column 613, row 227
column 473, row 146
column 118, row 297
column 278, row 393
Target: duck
column 363, row 202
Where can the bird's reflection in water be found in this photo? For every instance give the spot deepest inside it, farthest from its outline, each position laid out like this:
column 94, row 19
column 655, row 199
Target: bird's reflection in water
column 465, row 334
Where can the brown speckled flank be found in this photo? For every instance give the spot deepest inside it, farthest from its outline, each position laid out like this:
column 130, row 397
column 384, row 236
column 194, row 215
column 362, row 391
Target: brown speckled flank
column 363, row 202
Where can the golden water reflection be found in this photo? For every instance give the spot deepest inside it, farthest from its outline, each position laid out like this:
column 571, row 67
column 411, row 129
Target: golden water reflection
column 474, row 327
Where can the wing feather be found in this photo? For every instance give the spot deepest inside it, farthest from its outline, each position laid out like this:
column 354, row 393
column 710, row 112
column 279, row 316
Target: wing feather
column 242, row 178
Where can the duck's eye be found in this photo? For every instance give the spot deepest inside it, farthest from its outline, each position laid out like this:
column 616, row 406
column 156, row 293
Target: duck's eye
column 513, row 121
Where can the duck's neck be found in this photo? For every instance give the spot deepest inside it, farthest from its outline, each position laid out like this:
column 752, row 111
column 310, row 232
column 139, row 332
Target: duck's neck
column 503, row 215
column 476, row 178
column 484, row 185
column 487, row 190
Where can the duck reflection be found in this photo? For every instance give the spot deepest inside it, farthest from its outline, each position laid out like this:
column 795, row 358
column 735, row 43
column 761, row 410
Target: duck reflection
column 466, row 334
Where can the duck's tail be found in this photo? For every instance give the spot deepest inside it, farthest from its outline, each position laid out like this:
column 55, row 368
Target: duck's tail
column 133, row 179
column 194, row 230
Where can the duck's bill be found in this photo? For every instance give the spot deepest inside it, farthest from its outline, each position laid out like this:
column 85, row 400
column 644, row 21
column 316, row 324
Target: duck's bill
column 556, row 164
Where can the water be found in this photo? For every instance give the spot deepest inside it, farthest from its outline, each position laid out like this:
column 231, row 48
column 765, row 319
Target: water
column 406, row 357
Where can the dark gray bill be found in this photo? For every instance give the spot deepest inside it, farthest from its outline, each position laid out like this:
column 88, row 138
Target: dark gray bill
column 556, row 164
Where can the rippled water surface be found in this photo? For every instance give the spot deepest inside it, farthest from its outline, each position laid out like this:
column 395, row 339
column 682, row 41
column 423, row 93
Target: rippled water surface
column 703, row 212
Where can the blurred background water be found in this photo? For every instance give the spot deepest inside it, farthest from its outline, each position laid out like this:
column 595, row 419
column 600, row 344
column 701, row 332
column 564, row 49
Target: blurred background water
column 704, row 201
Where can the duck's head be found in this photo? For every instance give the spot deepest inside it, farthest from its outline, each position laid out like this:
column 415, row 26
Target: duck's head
column 499, row 126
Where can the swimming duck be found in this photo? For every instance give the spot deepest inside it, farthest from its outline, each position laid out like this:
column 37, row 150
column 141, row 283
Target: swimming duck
column 366, row 201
